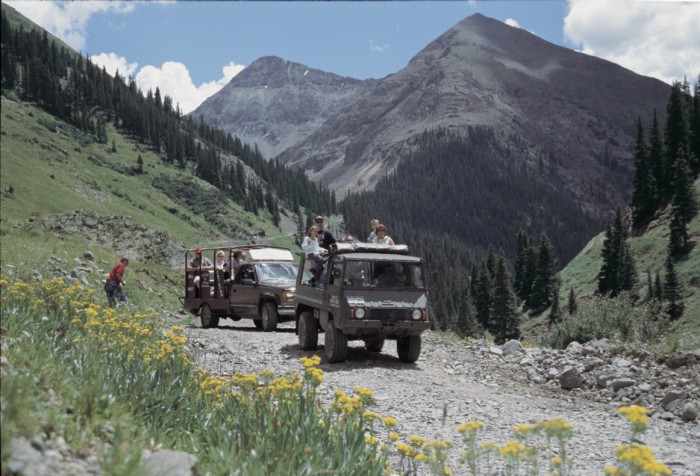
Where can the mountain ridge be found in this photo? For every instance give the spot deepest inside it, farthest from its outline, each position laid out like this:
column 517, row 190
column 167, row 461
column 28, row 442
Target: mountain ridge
column 566, row 108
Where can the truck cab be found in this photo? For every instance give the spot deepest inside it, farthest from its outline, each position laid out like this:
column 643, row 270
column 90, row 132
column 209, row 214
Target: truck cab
column 366, row 292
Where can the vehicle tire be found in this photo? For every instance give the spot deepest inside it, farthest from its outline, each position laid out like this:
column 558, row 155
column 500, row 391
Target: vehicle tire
column 308, row 331
column 336, row 344
column 269, row 317
column 374, row 345
column 206, row 318
column 258, row 323
column 408, row 348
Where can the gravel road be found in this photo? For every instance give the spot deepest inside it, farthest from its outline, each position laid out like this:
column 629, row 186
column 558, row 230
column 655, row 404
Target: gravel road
column 451, row 383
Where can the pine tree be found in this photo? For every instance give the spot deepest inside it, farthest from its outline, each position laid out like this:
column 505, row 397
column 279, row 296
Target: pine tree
column 541, row 295
column 572, row 304
column 555, row 314
column 656, row 159
column 483, row 297
column 675, row 135
column 658, row 288
column 672, row 290
column 466, row 324
column 644, row 189
column 504, row 320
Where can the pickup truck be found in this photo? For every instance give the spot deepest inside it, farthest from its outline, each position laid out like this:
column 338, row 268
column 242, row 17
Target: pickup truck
column 262, row 288
column 366, row 292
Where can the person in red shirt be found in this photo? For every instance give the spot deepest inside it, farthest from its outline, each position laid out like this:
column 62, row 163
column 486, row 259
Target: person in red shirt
column 114, row 284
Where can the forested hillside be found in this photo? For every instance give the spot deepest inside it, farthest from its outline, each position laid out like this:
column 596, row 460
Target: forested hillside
column 36, row 68
column 426, row 196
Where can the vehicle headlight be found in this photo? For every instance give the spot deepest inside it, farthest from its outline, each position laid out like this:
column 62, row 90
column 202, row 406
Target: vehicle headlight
column 416, row 314
column 288, row 296
column 360, row 312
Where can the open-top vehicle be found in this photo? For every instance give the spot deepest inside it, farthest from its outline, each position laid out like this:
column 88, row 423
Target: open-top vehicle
column 367, row 292
column 261, row 289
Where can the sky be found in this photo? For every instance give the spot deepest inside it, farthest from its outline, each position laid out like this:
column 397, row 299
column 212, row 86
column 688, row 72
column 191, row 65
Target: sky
column 191, row 49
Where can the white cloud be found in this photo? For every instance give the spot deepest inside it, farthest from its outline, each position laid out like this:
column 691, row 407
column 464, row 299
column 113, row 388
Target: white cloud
column 67, row 20
column 377, row 48
column 512, row 22
column 658, row 39
column 113, row 63
column 173, row 79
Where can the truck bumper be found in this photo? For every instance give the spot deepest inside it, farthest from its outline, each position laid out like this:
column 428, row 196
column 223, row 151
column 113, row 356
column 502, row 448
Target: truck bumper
column 287, row 311
column 382, row 328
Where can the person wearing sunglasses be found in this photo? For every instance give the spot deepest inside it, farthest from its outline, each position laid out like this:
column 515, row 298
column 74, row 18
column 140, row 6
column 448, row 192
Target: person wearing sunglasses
column 325, row 237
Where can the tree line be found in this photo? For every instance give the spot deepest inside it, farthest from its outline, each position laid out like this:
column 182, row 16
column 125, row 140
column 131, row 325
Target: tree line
column 73, row 89
column 667, row 162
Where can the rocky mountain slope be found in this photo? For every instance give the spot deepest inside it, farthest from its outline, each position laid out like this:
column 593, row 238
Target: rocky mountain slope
column 276, row 103
column 562, row 107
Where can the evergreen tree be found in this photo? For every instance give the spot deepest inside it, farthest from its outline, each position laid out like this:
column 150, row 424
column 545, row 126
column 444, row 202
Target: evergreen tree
column 644, row 188
column 672, row 290
column 675, row 136
column 572, row 304
column 555, row 314
column 504, row 320
column 656, row 159
column 520, row 265
column 483, row 297
column 466, row 324
column 617, row 273
column 694, row 161
column 541, row 295
column 658, row 288
column 139, row 164
column 683, row 209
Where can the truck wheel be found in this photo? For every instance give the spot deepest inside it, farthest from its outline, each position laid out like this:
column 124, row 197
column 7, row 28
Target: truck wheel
column 269, row 317
column 374, row 345
column 336, row 344
column 408, row 348
column 308, row 331
column 206, row 318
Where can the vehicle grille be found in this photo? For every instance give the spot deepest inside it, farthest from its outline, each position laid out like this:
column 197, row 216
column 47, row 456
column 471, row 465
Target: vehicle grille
column 389, row 315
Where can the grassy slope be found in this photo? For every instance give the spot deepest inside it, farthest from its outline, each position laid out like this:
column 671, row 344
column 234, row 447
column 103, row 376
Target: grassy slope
column 53, row 168
column 649, row 250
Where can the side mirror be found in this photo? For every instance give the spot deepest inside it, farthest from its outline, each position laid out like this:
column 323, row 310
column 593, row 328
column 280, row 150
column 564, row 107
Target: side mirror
column 336, row 273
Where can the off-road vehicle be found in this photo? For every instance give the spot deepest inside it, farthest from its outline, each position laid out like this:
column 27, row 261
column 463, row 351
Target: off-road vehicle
column 262, row 288
column 366, row 292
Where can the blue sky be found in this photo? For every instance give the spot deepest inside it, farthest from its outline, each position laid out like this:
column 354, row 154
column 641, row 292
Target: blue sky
column 192, row 49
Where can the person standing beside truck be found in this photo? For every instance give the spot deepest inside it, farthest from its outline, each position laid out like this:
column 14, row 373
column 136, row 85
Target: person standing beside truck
column 114, row 284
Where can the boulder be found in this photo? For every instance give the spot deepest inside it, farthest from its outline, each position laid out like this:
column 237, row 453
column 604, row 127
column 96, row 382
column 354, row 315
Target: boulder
column 571, row 378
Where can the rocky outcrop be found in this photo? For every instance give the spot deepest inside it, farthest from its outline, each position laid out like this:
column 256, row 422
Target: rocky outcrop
column 669, row 386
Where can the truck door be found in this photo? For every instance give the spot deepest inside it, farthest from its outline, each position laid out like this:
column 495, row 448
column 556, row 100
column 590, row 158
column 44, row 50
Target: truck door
column 243, row 297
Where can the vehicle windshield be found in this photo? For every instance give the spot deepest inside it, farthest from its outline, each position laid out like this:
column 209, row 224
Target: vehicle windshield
column 277, row 273
column 383, row 274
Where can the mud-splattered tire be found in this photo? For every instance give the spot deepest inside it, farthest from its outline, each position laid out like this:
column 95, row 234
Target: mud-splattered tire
column 308, row 331
column 336, row 344
column 269, row 317
column 408, row 348
column 206, row 318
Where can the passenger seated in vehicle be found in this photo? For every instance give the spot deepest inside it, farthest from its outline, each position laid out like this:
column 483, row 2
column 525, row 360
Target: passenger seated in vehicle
column 314, row 253
column 197, row 265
